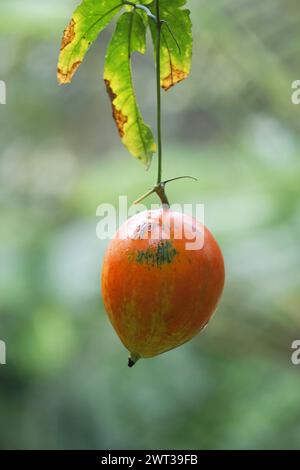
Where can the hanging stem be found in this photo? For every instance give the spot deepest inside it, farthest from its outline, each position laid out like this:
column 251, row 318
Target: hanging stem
column 159, row 138
column 159, row 188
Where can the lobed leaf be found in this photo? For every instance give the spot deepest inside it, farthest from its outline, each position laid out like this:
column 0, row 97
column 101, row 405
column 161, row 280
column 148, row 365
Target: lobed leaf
column 176, row 54
column 88, row 20
column 129, row 37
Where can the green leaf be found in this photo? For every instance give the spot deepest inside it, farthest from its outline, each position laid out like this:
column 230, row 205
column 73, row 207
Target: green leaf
column 176, row 54
column 129, row 37
column 88, row 20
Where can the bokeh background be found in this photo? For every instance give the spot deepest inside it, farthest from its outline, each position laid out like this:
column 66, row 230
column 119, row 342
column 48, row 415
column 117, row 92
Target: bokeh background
column 232, row 124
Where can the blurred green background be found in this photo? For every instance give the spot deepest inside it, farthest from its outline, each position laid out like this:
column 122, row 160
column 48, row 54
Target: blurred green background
column 232, row 124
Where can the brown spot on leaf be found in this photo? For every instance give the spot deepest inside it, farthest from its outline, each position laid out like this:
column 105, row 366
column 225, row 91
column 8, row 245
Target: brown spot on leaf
column 176, row 76
column 118, row 116
column 66, row 77
column 69, row 34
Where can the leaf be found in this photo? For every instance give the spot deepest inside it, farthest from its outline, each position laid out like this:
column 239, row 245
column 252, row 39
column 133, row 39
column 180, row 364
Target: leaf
column 129, row 37
column 88, row 20
column 176, row 55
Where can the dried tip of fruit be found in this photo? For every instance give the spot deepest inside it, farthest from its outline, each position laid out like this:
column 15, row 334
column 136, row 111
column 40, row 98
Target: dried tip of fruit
column 132, row 360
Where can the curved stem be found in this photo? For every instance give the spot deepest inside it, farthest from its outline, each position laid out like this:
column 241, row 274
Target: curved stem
column 140, row 7
column 180, row 178
column 144, row 196
column 158, row 89
column 159, row 189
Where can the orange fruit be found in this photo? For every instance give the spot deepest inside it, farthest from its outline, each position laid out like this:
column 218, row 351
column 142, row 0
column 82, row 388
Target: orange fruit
column 163, row 275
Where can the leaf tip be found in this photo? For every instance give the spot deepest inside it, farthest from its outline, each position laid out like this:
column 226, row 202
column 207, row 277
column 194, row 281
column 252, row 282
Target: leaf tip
column 65, row 77
column 176, row 76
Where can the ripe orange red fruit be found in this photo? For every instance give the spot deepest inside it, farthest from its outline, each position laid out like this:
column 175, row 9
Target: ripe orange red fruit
column 163, row 276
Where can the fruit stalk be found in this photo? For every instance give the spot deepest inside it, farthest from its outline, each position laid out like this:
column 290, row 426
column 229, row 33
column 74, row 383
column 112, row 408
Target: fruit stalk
column 159, row 137
column 160, row 187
